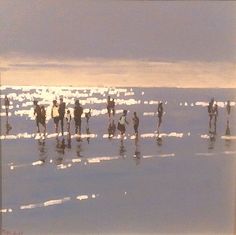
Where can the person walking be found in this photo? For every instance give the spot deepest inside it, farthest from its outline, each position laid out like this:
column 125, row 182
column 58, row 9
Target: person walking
column 160, row 112
column 68, row 120
column 112, row 106
column 135, row 123
column 43, row 118
column 88, row 116
column 122, row 122
column 7, row 104
column 109, row 106
column 62, row 110
column 55, row 114
column 78, row 111
column 37, row 114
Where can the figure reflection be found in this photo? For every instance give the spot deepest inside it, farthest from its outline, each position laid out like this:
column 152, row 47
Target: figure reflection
column 227, row 133
column 42, row 150
column 79, row 150
column 60, row 150
column 137, row 153
column 122, row 149
column 8, row 126
column 111, row 129
column 212, row 136
column 88, row 134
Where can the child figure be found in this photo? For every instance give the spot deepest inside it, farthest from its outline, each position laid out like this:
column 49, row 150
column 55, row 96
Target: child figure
column 68, row 120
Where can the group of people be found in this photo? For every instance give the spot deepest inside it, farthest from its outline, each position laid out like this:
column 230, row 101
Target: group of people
column 59, row 114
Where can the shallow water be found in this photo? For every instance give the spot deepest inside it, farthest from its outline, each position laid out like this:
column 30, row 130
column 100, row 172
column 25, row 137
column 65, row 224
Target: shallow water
column 183, row 183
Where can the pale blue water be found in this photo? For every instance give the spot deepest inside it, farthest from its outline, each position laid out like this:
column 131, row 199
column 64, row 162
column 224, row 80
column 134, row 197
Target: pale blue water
column 184, row 185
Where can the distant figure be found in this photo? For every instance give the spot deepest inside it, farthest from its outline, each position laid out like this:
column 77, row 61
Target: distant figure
column 7, row 104
column 228, row 108
column 37, row 114
column 135, row 123
column 111, row 129
column 78, row 111
column 122, row 122
column 215, row 113
column 62, row 110
column 210, row 111
column 109, row 106
column 112, row 105
column 88, row 116
column 160, row 112
column 68, row 120
column 43, row 119
column 55, row 114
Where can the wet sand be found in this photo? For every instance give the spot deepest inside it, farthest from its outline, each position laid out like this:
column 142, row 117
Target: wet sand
column 184, row 183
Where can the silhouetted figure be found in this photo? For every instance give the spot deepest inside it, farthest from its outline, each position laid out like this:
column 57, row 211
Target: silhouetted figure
column 69, row 140
column 55, row 114
column 43, row 119
column 111, row 129
column 122, row 122
column 37, row 114
column 88, row 116
column 7, row 104
column 112, row 106
column 78, row 111
column 135, row 123
column 160, row 112
column 109, row 106
column 215, row 113
column 210, row 111
column 62, row 110
column 228, row 108
column 68, row 120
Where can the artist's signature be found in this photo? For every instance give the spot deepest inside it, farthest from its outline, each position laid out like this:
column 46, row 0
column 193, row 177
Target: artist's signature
column 7, row 232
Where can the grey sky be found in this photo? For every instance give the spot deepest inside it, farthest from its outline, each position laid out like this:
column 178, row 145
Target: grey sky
column 155, row 30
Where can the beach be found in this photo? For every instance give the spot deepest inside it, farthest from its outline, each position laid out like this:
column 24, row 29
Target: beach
column 183, row 182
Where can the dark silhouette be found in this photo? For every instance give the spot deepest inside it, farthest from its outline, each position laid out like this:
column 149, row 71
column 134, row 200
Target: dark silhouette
column 112, row 106
column 160, row 112
column 111, row 129
column 88, row 135
column 42, row 150
column 215, row 113
column 228, row 108
column 37, row 114
column 7, row 104
column 55, row 114
column 135, row 123
column 60, row 149
column 68, row 120
column 212, row 137
column 227, row 133
column 8, row 126
column 210, row 111
column 122, row 122
column 43, row 119
column 62, row 110
column 88, row 116
column 109, row 106
column 78, row 111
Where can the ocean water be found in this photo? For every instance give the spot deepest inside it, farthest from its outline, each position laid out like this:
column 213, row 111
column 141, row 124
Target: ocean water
column 182, row 183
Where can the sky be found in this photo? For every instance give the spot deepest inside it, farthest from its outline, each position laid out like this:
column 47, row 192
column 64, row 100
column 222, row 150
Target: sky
column 33, row 32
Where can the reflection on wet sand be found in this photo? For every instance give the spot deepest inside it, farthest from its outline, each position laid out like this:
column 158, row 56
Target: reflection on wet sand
column 212, row 136
column 8, row 126
column 122, row 149
column 42, row 150
column 137, row 152
column 227, row 133
column 60, row 150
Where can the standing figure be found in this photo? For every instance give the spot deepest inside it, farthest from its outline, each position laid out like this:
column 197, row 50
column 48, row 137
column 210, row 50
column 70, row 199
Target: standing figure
column 112, row 104
column 210, row 111
column 109, row 106
column 121, row 123
column 135, row 123
column 62, row 110
column 55, row 114
column 88, row 116
column 78, row 111
column 7, row 104
column 68, row 120
column 160, row 112
column 228, row 108
column 37, row 114
column 215, row 113
column 43, row 119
